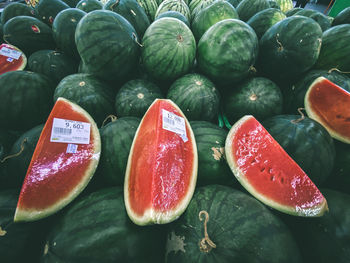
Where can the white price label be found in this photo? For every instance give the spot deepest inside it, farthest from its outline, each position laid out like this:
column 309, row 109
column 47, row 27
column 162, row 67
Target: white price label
column 11, row 53
column 174, row 123
column 69, row 131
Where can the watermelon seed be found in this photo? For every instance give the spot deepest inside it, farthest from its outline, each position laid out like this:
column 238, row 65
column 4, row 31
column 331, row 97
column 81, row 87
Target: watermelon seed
column 262, row 169
column 206, row 244
column 272, row 178
column 282, row 180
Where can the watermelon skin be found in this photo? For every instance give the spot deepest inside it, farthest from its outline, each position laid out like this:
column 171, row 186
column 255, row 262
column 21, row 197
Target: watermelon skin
column 227, row 51
column 174, row 14
column 196, row 96
column 158, row 164
column 16, row 167
column 135, row 97
column 150, row 7
column 317, row 144
column 295, row 52
column 325, row 239
column 101, row 223
column 285, row 5
column 335, row 49
column 295, row 95
column 175, row 48
column 16, row 9
column 28, row 102
column 212, row 165
column 174, row 5
column 89, row 5
column 215, row 12
column 46, row 10
column 320, row 18
column 53, row 64
column 63, row 30
column 26, row 238
column 342, row 18
column 71, row 3
column 116, row 138
column 265, row 19
column 252, row 233
column 247, row 8
column 292, row 11
column 131, row 11
column 267, row 172
column 89, row 93
column 196, row 6
column 122, row 45
column 257, row 96
column 29, row 34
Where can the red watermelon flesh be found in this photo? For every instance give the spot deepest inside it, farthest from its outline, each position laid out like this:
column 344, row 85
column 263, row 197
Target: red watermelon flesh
column 11, row 58
column 329, row 104
column 58, row 171
column 262, row 166
column 162, row 167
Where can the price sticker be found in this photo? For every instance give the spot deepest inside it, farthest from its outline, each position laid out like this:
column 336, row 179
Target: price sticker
column 10, row 53
column 174, row 123
column 69, row 131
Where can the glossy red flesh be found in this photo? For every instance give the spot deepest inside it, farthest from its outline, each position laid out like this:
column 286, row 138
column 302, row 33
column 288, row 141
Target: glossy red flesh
column 331, row 104
column 162, row 164
column 53, row 173
column 6, row 65
column 270, row 170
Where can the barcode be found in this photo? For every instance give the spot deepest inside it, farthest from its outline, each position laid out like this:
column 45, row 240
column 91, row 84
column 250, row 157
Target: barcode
column 64, row 131
column 169, row 121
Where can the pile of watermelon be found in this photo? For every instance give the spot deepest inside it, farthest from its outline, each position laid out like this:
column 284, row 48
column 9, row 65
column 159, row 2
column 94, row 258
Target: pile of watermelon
column 174, row 131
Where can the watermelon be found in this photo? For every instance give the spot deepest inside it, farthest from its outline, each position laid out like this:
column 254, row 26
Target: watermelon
column 113, row 59
column 328, row 104
column 116, row 140
column 53, row 64
column 289, row 48
column 169, row 49
column 63, row 30
column 150, row 7
column 89, row 92
column 267, row 172
column 18, row 159
column 11, row 58
column 97, row 229
column 342, row 17
column 285, row 5
column 335, row 49
column 265, row 19
column 215, row 12
column 325, row 239
column 256, row 96
column 248, row 8
column 196, row 96
column 174, row 5
column 46, row 10
column 317, row 144
column 227, row 51
column 16, row 9
column 174, row 14
column 71, row 3
column 292, row 11
column 89, row 5
column 28, row 34
column 212, row 165
column 294, row 96
column 131, row 11
column 28, row 99
column 162, row 166
column 135, row 97
column 223, row 224
column 198, row 5
column 65, row 163
column 320, row 18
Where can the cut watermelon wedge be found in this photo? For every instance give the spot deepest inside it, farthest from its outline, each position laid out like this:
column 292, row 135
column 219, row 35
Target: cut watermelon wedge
column 266, row 171
column 162, row 167
column 329, row 104
column 64, row 160
column 11, row 58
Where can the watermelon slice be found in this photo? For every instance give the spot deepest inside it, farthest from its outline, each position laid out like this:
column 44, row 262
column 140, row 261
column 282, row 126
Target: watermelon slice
column 11, row 58
column 329, row 104
column 266, row 171
column 161, row 172
column 64, row 160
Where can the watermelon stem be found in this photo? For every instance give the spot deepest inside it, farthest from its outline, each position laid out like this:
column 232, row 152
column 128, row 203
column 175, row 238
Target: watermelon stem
column 135, row 37
column 280, row 48
column 335, row 69
column 16, row 154
column 301, row 118
column 112, row 117
column 203, row 244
